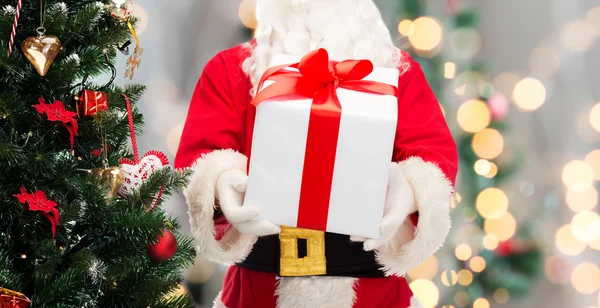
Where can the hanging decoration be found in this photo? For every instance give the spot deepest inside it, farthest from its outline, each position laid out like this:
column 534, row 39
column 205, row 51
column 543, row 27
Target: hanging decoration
column 89, row 102
column 41, row 50
column 37, row 202
column 122, row 10
column 56, row 112
column 136, row 171
column 13, row 32
column 164, row 248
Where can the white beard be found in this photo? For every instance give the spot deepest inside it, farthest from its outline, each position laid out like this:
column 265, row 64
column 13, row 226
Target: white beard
column 347, row 29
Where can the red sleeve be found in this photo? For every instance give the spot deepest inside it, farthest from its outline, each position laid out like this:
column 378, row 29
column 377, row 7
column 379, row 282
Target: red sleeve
column 212, row 122
column 422, row 130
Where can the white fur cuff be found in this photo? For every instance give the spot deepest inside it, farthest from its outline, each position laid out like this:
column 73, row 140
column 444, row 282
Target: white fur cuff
column 433, row 192
column 233, row 247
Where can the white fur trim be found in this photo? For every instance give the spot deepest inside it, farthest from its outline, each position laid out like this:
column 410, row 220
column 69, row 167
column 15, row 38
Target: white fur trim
column 414, row 303
column 200, row 194
column 219, row 303
column 433, row 192
column 311, row 292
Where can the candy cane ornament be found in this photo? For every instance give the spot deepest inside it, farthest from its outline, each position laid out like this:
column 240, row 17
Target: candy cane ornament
column 14, row 28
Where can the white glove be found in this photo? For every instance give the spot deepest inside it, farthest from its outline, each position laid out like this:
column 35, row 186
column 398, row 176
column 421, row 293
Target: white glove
column 399, row 203
column 231, row 188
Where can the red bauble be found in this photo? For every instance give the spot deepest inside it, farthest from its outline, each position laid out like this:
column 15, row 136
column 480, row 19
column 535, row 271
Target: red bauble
column 164, row 248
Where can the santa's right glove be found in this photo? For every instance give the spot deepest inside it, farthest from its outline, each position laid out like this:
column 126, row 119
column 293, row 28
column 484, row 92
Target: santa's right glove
column 231, row 188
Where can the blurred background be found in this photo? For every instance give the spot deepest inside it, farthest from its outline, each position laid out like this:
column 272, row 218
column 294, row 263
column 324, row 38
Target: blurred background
column 518, row 83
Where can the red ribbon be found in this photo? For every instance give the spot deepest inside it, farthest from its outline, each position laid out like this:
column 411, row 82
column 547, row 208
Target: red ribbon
column 318, row 78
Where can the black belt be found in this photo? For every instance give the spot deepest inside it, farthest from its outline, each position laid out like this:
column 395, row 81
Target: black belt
column 343, row 257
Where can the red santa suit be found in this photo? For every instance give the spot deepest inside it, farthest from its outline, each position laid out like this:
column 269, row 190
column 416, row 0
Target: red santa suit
column 216, row 138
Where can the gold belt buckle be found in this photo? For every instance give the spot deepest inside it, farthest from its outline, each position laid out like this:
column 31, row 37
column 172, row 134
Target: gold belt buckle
column 313, row 264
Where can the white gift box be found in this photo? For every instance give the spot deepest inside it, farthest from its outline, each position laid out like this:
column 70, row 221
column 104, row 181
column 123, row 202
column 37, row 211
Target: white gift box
column 362, row 161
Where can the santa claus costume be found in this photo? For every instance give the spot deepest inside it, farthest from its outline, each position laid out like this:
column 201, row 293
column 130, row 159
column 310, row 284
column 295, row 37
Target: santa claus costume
column 361, row 273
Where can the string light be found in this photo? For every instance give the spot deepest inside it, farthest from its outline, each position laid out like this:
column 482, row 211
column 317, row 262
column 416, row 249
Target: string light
column 477, row 264
column 501, row 296
column 567, row 243
column 449, row 278
column 580, row 201
column 23, row 256
column 463, row 252
column 593, row 159
column 426, row 291
column 488, row 143
column 461, row 299
column 492, row 203
column 493, row 171
column 586, row 278
column 490, row 242
column 427, row 270
column 577, row 36
column 426, row 33
column 406, row 27
column 247, row 13
column 595, row 117
column 529, row 94
column 577, row 175
column 482, row 167
column 585, row 226
column 473, row 116
column 465, row 277
column 449, row 70
column 503, row 228
column 481, row 303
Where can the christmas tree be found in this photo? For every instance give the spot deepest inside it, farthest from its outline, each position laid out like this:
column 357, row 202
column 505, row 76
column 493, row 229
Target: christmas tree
column 488, row 256
column 80, row 225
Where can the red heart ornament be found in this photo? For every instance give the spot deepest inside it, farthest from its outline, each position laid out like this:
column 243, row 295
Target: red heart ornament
column 136, row 174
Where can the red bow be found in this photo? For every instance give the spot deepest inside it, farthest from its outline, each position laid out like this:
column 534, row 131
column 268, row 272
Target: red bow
column 319, row 78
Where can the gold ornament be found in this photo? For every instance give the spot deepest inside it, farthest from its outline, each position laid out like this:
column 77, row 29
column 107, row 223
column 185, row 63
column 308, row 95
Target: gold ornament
column 112, row 178
column 41, row 50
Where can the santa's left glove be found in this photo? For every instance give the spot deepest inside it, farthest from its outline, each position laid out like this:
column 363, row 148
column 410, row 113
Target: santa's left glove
column 399, row 204
column 231, row 188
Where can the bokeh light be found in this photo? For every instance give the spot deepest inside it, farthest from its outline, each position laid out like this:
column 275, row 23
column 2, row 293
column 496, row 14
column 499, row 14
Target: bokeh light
column 578, row 175
column 427, row 33
column 449, row 278
column 595, row 244
column 427, row 270
column 406, row 27
column 490, row 242
column 463, row 252
column 529, row 94
column 247, row 13
column 593, row 19
column 580, row 201
column 462, row 299
column 492, row 203
column 426, row 292
column 465, row 277
column 481, row 303
column 501, row 296
column 482, row 166
column 567, row 243
column 142, row 19
column 488, row 143
column 544, row 61
column 493, row 171
column 506, row 82
column 473, row 116
column 557, row 270
column 503, row 228
column 577, row 36
column 465, row 43
column 595, row 117
column 586, row 278
column 477, row 264
column 586, row 226
column 593, row 159
column 449, row 70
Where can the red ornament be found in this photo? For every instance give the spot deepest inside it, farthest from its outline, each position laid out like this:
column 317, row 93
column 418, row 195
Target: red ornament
column 12, row 299
column 89, row 102
column 164, row 248
column 506, row 248
column 38, row 202
column 56, row 112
